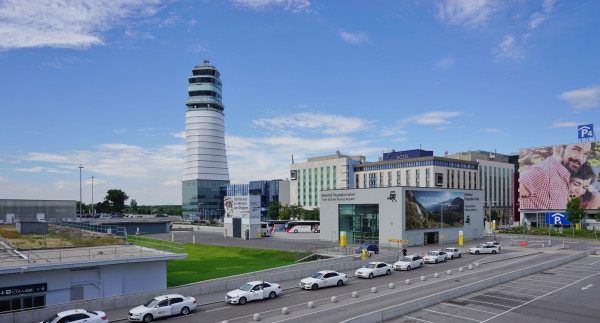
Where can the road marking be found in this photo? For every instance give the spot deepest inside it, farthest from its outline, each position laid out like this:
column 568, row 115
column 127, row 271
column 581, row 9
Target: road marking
column 519, row 287
column 466, row 308
column 586, row 287
column 216, row 309
column 446, row 314
column 518, row 282
column 493, row 317
column 509, row 299
column 503, row 291
column 543, row 281
column 476, row 301
column 593, row 263
column 414, row 318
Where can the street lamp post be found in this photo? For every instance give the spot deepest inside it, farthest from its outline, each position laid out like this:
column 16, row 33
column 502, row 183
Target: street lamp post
column 80, row 214
column 442, row 225
column 92, row 195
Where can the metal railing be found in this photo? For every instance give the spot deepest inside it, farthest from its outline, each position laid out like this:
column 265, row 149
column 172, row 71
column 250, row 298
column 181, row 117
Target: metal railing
column 163, row 245
column 102, row 228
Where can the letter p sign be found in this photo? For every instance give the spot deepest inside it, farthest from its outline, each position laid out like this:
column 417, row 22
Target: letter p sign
column 585, row 131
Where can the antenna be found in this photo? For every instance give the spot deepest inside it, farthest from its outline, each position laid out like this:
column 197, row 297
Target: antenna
column 206, row 61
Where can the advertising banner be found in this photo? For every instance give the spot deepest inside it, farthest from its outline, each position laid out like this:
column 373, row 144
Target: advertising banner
column 550, row 176
column 424, row 209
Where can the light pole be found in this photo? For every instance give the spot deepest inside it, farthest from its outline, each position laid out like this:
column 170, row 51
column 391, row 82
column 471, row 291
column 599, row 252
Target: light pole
column 442, row 223
column 80, row 214
column 92, row 195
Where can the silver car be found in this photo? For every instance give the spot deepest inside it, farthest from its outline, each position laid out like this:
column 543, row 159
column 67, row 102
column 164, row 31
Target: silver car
column 409, row 262
column 453, row 253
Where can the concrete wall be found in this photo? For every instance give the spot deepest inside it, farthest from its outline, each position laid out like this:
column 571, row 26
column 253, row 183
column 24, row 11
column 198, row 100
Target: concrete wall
column 32, row 227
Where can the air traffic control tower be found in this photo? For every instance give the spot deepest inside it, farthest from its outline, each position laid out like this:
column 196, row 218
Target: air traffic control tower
column 205, row 167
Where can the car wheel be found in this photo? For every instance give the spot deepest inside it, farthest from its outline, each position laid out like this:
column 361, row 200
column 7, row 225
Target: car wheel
column 272, row 295
column 493, row 251
column 185, row 310
column 451, row 257
column 436, row 261
column 370, row 276
column 388, row 272
column 408, row 268
column 296, row 231
column 314, row 287
column 421, row 265
column 376, row 251
column 476, row 252
column 147, row 318
column 340, row 283
column 242, row 301
column 459, row 255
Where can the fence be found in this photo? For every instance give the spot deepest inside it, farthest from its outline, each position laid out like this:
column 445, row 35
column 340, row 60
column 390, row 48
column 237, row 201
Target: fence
column 164, row 245
column 102, row 228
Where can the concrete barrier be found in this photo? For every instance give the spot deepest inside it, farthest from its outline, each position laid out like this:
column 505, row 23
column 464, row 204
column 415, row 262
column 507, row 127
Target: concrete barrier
column 420, row 303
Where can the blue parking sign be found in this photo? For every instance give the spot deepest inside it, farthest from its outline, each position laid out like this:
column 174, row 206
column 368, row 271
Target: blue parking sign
column 585, row 131
column 556, row 218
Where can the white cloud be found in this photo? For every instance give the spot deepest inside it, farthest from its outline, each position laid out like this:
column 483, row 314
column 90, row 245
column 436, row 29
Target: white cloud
column 495, row 131
column 433, row 118
column 180, row 134
column 120, row 131
column 509, row 49
column 565, row 124
column 261, row 5
column 445, row 63
column 197, row 48
column 467, row 13
column 59, row 63
column 583, row 99
column 36, row 169
column 138, row 34
column 65, row 23
column 538, row 18
column 318, row 122
column 359, row 38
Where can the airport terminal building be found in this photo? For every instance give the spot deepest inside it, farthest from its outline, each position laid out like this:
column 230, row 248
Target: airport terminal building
column 402, row 213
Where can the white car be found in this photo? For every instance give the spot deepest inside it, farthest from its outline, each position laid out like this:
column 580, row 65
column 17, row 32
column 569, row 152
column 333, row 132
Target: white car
column 494, row 243
column 253, row 291
column 434, row 257
column 484, row 248
column 78, row 316
column 453, row 253
column 409, row 262
column 162, row 306
column 324, row 278
column 373, row 269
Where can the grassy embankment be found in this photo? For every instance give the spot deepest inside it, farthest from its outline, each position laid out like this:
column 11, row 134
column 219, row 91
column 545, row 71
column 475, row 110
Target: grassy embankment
column 567, row 232
column 208, row 262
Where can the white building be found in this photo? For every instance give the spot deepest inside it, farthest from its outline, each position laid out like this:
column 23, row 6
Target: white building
column 321, row 173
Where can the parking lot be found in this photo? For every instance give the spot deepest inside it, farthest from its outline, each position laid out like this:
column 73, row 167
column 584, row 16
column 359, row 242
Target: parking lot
column 566, row 293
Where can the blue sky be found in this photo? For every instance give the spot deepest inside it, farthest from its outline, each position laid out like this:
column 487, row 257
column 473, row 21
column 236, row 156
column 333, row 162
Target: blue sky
column 103, row 83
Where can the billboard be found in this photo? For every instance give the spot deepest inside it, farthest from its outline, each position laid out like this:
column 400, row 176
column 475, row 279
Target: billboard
column 244, row 206
column 551, row 175
column 424, row 209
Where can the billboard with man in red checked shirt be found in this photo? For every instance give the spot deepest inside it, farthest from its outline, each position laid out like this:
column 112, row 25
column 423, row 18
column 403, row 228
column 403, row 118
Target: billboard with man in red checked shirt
column 550, row 176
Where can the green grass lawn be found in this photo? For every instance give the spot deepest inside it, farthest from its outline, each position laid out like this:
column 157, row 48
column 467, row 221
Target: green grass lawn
column 208, row 262
column 543, row 232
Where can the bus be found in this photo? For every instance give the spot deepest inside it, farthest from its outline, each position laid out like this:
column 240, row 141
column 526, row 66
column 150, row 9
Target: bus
column 303, row 226
column 266, row 229
column 278, row 225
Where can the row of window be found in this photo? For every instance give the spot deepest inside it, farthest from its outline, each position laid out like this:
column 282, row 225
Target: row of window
column 468, row 180
column 207, row 71
column 205, row 93
column 312, row 181
column 496, row 183
column 416, row 164
column 211, row 80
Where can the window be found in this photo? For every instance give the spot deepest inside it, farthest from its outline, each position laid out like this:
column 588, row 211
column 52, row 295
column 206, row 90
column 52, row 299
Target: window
column 381, row 179
column 398, row 182
column 417, row 178
column 427, row 177
column 176, row 300
column 365, row 181
column 389, row 178
column 408, row 178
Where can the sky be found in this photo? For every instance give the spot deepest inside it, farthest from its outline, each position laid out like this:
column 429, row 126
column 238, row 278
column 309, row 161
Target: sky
column 103, row 84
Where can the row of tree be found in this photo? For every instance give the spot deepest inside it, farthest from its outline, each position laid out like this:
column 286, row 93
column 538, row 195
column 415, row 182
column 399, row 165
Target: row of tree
column 287, row 212
column 114, row 202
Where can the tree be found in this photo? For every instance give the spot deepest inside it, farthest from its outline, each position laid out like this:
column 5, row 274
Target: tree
column 494, row 215
column 117, row 199
column 133, row 205
column 574, row 212
column 274, row 208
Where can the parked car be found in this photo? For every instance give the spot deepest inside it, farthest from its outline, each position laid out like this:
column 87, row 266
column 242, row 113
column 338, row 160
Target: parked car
column 324, row 278
column 453, row 252
column 409, row 262
column 369, row 246
column 485, row 248
column 494, row 243
column 161, row 215
column 435, row 256
column 162, row 306
column 252, row 291
column 374, row 269
column 78, row 316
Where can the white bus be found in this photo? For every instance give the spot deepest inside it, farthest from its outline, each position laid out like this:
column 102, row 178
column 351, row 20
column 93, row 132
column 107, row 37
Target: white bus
column 266, row 229
column 303, row 226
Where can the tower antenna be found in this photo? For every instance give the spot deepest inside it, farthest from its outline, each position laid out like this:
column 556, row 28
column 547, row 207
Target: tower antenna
column 206, row 61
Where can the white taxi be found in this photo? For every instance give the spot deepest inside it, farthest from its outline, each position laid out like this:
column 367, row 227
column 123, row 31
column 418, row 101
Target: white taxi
column 373, row 269
column 409, row 262
column 453, row 253
column 77, row 316
column 253, row 291
column 324, row 278
column 162, row 306
column 434, row 257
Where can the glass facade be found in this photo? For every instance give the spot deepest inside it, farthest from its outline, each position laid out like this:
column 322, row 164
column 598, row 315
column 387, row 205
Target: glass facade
column 360, row 221
column 202, row 198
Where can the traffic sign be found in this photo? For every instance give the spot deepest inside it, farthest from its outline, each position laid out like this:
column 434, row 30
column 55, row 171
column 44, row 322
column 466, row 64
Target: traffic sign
column 556, row 218
column 398, row 240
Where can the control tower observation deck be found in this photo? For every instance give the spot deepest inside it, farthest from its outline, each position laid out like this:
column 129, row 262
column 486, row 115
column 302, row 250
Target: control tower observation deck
column 205, row 168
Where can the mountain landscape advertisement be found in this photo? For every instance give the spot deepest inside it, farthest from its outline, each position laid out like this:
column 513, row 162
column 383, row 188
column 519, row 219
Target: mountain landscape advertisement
column 423, row 209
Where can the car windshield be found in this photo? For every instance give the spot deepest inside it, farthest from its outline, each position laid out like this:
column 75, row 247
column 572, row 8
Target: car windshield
column 479, row 246
column 317, row 275
column 432, row 253
column 51, row 319
column 364, row 246
column 151, row 302
column 91, row 312
column 246, row 287
column 449, row 250
column 370, row 266
column 406, row 259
